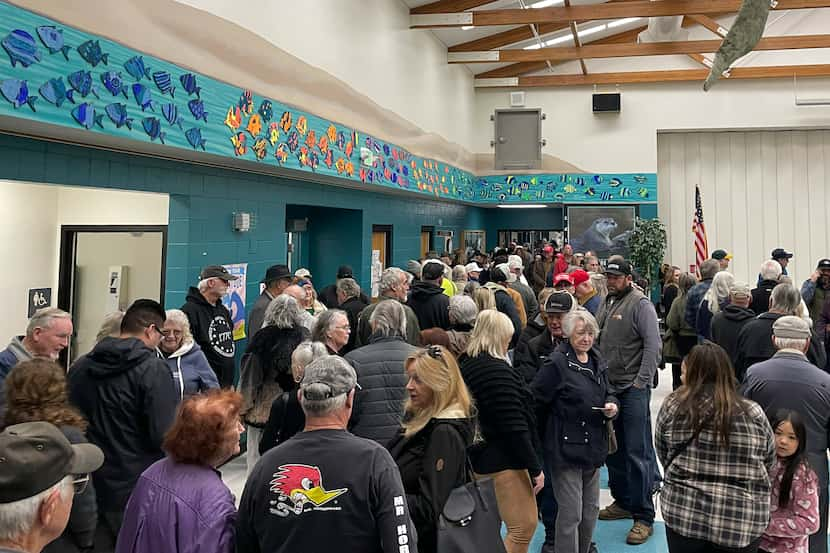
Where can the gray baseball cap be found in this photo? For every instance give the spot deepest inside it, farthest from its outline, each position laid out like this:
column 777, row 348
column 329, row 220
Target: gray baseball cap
column 328, row 377
column 791, row 327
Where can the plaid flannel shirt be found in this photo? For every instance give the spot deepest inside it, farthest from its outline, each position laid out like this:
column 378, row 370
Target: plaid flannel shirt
column 712, row 492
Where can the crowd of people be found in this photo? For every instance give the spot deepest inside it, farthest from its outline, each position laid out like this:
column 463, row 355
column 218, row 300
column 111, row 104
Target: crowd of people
column 526, row 370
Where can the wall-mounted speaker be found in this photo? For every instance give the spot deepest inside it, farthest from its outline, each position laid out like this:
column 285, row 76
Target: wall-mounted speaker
column 607, row 102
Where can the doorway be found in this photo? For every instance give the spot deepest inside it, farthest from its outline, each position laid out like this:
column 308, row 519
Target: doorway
column 104, row 269
column 427, row 234
column 382, row 243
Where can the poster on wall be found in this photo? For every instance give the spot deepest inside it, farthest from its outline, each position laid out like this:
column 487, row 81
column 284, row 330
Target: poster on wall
column 234, row 300
column 603, row 230
column 377, row 269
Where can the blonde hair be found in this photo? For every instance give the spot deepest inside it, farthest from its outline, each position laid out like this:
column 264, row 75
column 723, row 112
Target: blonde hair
column 437, row 369
column 484, row 298
column 491, row 334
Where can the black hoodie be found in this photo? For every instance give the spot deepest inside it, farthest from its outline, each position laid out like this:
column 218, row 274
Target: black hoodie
column 212, row 329
column 126, row 392
column 727, row 324
column 430, row 305
column 432, row 463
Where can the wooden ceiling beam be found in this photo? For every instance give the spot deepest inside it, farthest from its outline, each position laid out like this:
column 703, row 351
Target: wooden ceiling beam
column 675, row 75
column 709, row 23
column 608, row 10
column 449, row 6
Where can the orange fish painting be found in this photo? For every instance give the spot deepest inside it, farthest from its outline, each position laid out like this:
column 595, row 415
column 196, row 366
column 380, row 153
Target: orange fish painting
column 340, row 165
column 323, row 144
column 234, row 118
column 285, row 121
column 260, row 148
column 282, row 153
column 332, row 133
column 239, row 147
column 255, row 125
column 273, row 134
column 302, row 125
column 349, row 149
column 311, row 139
column 349, row 168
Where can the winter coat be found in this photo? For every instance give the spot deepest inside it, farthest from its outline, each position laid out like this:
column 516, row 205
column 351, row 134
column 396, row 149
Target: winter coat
column 761, row 294
column 520, row 307
column 459, row 337
column 529, row 300
column 755, row 344
column 676, row 321
column 505, row 416
column 364, row 329
column 10, row 357
column 530, row 359
column 212, row 329
column 532, row 330
column 328, row 297
column 432, row 463
column 670, row 293
column 190, row 369
column 505, row 304
column 352, row 307
column 727, row 324
column 430, row 305
column 378, row 404
column 694, row 297
column 592, row 304
column 815, row 298
column 266, row 371
column 178, row 508
column 567, row 394
column 286, row 419
column 704, row 319
column 539, row 270
column 256, row 316
column 127, row 394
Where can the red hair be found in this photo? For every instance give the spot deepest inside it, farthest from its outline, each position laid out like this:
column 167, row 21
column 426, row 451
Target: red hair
column 202, row 425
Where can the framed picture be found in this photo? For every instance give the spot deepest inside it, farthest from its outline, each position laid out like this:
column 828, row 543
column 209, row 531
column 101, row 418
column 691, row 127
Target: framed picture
column 603, row 230
column 473, row 240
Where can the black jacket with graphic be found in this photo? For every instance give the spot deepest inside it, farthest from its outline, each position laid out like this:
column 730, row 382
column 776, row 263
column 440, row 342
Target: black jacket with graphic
column 212, row 329
column 430, row 305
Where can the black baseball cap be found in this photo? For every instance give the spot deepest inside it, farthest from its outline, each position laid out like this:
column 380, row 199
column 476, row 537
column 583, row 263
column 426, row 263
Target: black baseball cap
column 781, row 253
column 216, row 271
column 345, row 271
column 276, row 272
column 721, row 254
column 618, row 268
column 34, row 456
column 432, row 269
column 559, row 302
column 823, row 264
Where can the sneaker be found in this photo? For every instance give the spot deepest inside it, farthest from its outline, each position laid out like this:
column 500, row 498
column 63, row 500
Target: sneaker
column 639, row 533
column 614, row 512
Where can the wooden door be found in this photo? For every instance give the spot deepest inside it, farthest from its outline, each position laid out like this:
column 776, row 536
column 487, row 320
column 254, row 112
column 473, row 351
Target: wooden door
column 425, row 243
column 379, row 241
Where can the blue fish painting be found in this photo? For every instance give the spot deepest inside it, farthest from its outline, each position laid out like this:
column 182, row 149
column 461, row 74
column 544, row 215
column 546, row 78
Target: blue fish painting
column 266, row 110
column 597, row 179
column 81, row 82
column 194, row 138
column 17, row 92
column 118, row 115
column 197, row 108
column 640, row 179
column 625, row 192
column 152, row 126
column 86, row 116
column 614, row 182
column 21, row 48
column 171, row 114
column 92, row 53
column 114, row 82
column 136, row 68
column 52, row 38
column 605, row 196
column 54, row 92
column 188, row 81
column 164, row 83
column 143, row 97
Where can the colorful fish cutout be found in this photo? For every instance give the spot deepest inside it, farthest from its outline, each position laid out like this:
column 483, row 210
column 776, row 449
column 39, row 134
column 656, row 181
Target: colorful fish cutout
column 614, row 182
column 332, row 133
column 81, row 82
column 164, row 82
column 642, row 192
column 254, row 125
column 55, row 92
column 118, row 115
column 234, row 118
column 323, row 144
column 114, row 82
column 246, row 102
column 52, row 38
column 136, row 68
column 171, row 114
column 285, row 121
column 311, row 139
column 92, row 53
column 239, row 147
column 152, row 126
column 260, row 148
column 640, row 179
column 86, row 116
column 266, row 110
column 197, row 108
column 188, row 81
column 143, row 97
column 17, row 92
column 302, row 125
column 293, row 141
column 282, row 153
column 194, row 138
column 273, row 133
column 21, row 48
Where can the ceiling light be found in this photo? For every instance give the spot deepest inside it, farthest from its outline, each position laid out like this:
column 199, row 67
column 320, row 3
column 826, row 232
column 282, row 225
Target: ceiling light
column 468, row 27
column 522, row 206
column 559, row 40
column 547, row 3
column 532, row 47
column 591, row 30
column 621, row 22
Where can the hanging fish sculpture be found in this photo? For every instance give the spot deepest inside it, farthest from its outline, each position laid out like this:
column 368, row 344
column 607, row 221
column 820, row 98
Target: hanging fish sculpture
column 745, row 33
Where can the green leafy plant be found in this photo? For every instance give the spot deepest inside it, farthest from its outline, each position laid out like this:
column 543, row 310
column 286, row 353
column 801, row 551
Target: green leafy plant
column 648, row 246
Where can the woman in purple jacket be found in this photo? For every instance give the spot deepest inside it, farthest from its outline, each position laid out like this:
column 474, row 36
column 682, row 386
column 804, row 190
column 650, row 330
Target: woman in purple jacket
column 180, row 503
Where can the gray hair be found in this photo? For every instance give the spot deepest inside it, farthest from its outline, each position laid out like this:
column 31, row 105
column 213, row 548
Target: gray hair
column 203, row 284
column 283, row 312
column 19, row 517
column 709, row 268
column 719, row 290
column 304, row 354
column 325, row 322
column 799, row 344
column 471, row 287
column 111, row 326
column 770, row 270
column 348, row 287
column 388, row 318
column 785, row 299
column 43, row 318
column 178, row 317
column 323, row 407
column 459, row 273
column 570, row 320
column 463, row 310
column 390, row 278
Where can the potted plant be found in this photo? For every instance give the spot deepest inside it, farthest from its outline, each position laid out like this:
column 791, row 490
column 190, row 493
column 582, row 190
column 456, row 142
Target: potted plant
column 647, row 244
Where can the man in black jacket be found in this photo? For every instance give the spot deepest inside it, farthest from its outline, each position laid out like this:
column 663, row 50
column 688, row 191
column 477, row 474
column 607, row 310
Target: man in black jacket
column 427, row 299
column 768, row 279
column 381, row 375
column 328, row 295
column 126, row 393
column 727, row 323
column 210, row 321
column 529, row 360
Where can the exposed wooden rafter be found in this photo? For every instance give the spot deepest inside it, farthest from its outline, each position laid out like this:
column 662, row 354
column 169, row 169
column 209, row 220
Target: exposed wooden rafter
column 449, row 6
column 707, row 22
column 608, row 10
column 577, row 42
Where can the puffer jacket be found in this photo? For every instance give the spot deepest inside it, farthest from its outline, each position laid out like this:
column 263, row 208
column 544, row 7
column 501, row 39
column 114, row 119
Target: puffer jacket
column 378, row 405
column 266, row 371
column 190, row 369
column 506, row 305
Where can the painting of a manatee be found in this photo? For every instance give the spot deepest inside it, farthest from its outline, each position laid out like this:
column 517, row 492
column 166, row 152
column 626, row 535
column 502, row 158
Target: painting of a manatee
column 601, row 229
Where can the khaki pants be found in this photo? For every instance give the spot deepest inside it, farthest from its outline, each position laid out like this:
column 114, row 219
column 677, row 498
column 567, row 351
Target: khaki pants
column 517, row 507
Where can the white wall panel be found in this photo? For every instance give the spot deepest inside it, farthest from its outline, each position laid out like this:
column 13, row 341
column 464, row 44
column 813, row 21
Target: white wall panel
column 761, row 190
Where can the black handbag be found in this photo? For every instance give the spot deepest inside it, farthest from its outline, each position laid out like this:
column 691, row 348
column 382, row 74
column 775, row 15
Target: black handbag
column 470, row 521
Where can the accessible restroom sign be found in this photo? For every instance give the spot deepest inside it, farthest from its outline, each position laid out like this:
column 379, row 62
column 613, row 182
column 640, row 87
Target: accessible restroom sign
column 38, row 299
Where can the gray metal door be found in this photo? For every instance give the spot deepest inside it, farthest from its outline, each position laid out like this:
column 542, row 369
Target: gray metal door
column 518, row 139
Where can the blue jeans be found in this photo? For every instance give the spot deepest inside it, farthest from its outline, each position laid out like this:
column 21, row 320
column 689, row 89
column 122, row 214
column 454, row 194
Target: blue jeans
column 633, row 468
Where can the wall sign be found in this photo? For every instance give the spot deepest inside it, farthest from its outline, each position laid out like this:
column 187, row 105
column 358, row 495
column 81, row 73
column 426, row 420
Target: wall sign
column 38, row 299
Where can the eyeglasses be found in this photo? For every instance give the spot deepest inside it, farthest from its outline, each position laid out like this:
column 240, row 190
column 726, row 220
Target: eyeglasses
column 160, row 331
column 343, row 327
column 80, row 483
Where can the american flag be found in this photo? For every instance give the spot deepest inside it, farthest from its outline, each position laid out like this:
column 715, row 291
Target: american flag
column 699, row 231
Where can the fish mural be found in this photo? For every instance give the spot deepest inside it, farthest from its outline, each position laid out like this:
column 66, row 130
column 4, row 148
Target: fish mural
column 143, row 97
column 246, row 102
column 152, row 126
column 194, row 138
column 81, row 82
column 234, row 118
column 266, row 110
column 86, row 116
column 52, row 39
column 118, row 115
column 273, row 134
column 21, row 48
column 197, row 108
column 136, row 68
column 17, row 92
column 91, row 52
column 114, row 82
column 171, row 114
column 260, row 148
column 164, row 82
column 238, row 141
column 55, row 92
column 188, row 81
column 254, row 125
column 281, row 153
column 614, row 182
column 285, row 121
column 302, row 125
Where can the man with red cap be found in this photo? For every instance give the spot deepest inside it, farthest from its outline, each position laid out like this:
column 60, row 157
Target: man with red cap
column 585, row 291
column 563, row 282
